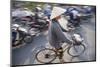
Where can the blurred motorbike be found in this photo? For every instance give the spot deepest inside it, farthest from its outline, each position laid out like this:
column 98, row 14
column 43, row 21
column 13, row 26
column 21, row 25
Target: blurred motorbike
column 76, row 17
column 21, row 35
column 41, row 23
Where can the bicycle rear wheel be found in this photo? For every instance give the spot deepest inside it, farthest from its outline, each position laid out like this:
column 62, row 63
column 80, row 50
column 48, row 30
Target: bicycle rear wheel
column 46, row 55
column 76, row 50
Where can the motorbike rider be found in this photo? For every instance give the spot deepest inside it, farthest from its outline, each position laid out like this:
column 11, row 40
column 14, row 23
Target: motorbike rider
column 27, row 15
column 87, row 9
column 15, row 34
column 23, row 14
column 56, row 35
column 74, row 15
column 40, row 20
column 47, row 10
column 16, row 12
column 37, row 13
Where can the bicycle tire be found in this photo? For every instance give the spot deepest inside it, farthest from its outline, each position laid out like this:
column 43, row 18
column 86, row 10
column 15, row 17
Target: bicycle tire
column 69, row 49
column 43, row 61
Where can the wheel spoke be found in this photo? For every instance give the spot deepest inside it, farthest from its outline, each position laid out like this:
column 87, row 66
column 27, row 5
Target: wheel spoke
column 46, row 55
column 76, row 50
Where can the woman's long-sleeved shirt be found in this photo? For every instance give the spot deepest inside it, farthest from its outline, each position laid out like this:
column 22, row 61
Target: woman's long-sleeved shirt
column 56, row 34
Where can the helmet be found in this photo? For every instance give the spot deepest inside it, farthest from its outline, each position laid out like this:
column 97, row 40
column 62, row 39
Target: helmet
column 38, row 9
column 15, row 27
column 47, row 6
column 25, row 8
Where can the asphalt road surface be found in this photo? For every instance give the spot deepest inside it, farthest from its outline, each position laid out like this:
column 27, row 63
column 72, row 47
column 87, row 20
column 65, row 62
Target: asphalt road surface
column 26, row 54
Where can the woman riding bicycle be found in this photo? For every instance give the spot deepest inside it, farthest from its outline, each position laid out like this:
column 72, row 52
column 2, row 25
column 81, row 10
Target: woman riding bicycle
column 56, row 35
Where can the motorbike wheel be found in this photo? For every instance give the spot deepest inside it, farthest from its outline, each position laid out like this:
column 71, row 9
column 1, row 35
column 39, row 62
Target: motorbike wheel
column 28, row 39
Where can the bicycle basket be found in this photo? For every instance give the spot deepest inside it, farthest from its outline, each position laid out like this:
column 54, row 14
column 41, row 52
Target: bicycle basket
column 77, row 39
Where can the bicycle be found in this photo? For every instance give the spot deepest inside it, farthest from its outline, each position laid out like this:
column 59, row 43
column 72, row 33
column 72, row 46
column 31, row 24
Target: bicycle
column 48, row 55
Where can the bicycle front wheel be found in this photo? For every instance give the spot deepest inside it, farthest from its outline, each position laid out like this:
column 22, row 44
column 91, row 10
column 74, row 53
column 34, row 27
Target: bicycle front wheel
column 46, row 55
column 76, row 50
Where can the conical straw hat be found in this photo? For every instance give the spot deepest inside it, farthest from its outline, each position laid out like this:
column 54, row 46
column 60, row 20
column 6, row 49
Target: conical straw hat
column 57, row 11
